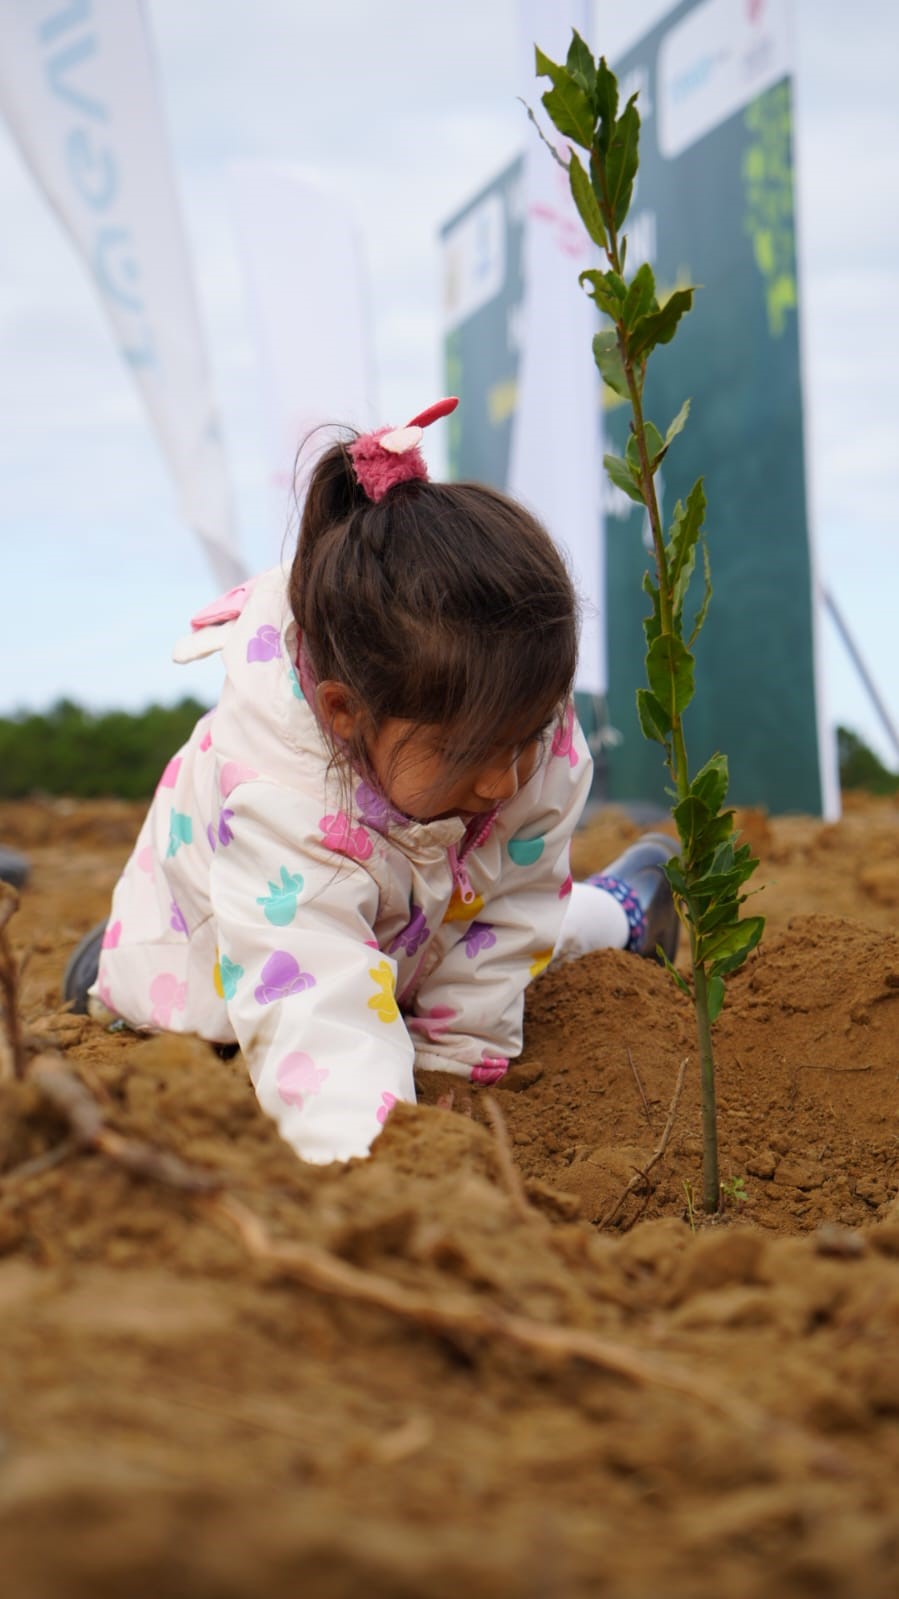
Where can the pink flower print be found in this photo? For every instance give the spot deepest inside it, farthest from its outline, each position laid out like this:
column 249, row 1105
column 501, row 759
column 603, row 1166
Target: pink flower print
column 298, row 1078
column 111, row 936
column 567, row 886
column 383, row 1003
column 170, row 775
column 145, row 859
column 478, row 936
column 166, row 994
column 177, row 922
column 387, row 1103
column 563, row 737
column 431, row 1023
column 280, row 977
column 338, row 835
column 415, row 933
column 206, row 740
column 490, row 1070
column 265, row 645
column 233, row 773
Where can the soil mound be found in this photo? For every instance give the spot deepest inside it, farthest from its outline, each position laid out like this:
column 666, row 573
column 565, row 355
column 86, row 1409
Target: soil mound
column 422, row 1375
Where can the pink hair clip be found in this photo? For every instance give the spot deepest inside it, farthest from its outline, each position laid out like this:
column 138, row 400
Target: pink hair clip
column 392, row 455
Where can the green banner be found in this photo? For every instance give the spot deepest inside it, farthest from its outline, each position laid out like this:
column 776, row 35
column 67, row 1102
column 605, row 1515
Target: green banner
column 719, row 213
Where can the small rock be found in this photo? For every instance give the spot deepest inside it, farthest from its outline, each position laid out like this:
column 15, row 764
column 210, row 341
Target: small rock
column 764, row 1164
column 841, row 1243
column 799, row 1174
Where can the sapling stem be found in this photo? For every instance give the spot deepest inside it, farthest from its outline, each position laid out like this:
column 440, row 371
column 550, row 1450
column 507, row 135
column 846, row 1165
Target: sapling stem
column 707, row 875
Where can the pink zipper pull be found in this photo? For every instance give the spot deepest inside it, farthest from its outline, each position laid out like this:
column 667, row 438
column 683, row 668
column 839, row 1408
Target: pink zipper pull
column 461, row 877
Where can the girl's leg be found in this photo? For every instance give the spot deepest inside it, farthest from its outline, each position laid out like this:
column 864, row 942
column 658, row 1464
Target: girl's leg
column 628, row 905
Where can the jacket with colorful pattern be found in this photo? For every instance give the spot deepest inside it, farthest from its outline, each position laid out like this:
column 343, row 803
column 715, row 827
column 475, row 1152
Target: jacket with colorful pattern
column 338, row 950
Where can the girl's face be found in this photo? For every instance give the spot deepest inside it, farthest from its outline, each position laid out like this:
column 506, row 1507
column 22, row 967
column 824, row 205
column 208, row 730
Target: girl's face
column 415, row 777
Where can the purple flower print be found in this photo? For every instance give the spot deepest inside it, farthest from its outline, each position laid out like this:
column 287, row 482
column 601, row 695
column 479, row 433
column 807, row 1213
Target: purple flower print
column 478, row 936
column 374, row 809
column 415, row 933
column 281, row 976
column 265, row 645
column 221, row 832
column 177, row 923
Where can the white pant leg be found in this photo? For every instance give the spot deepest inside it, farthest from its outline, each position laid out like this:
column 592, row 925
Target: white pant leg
column 593, row 920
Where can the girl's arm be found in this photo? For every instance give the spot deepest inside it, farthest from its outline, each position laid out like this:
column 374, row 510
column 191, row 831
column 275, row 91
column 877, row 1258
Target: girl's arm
column 468, row 1012
column 309, row 994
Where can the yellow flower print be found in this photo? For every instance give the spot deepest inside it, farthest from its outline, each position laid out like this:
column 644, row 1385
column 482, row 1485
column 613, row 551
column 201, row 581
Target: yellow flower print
column 384, row 1005
column 540, row 962
column 458, row 911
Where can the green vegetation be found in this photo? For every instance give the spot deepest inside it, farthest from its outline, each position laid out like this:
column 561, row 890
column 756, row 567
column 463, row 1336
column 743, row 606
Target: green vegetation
column 861, row 768
column 71, row 751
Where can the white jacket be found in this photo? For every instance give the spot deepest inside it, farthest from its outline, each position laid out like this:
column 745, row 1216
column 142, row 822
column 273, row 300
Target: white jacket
column 338, row 950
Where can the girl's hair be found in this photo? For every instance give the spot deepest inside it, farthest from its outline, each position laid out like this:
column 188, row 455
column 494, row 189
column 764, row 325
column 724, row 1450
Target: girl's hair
column 442, row 603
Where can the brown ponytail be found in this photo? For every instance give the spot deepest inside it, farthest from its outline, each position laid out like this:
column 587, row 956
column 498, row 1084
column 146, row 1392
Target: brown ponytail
column 444, row 604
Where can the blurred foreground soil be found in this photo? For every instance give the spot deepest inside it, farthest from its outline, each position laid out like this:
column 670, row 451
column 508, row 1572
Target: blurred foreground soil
column 177, row 1418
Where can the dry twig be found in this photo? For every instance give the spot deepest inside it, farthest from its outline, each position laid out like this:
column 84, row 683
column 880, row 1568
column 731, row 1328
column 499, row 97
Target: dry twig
column 642, row 1175
column 639, row 1084
column 509, row 1172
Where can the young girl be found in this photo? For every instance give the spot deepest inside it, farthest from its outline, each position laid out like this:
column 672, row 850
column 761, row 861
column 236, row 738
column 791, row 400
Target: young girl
column 359, row 860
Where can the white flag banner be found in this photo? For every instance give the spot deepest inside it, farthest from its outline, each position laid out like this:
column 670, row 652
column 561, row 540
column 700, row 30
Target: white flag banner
column 308, row 299
column 78, row 87
column 555, row 465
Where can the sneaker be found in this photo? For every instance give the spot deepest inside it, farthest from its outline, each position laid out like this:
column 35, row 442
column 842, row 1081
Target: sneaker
column 81, row 972
column 640, row 886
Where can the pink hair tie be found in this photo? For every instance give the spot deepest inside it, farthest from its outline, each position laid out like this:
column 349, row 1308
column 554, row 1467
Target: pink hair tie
column 392, row 455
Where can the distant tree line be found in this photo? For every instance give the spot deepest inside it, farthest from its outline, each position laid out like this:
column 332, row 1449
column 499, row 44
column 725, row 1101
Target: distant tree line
column 88, row 755
column 68, row 750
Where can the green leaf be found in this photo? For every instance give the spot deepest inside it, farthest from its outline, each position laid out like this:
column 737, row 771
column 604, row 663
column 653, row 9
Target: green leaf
column 728, row 947
column 566, row 103
column 605, row 101
column 715, row 997
column 607, row 356
column 673, row 972
column 659, row 327
column 710, row 783
column 622, row 159
column 655, row 447
column 607, row 290
column 586, row 201
column 641, row 296
column 652, row 625
column 691, row 816
column 580, row 64
column 686, row 527
column 654, row 720
column 679, row 422
column 622, row 477
column 669, row 667
column 541, row 135
column 702, row 613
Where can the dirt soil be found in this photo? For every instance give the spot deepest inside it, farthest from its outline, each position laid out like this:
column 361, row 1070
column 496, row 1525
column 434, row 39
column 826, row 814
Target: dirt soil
column 179, row 1417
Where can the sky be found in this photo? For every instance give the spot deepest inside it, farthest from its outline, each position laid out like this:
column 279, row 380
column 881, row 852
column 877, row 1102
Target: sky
column 404, row 108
